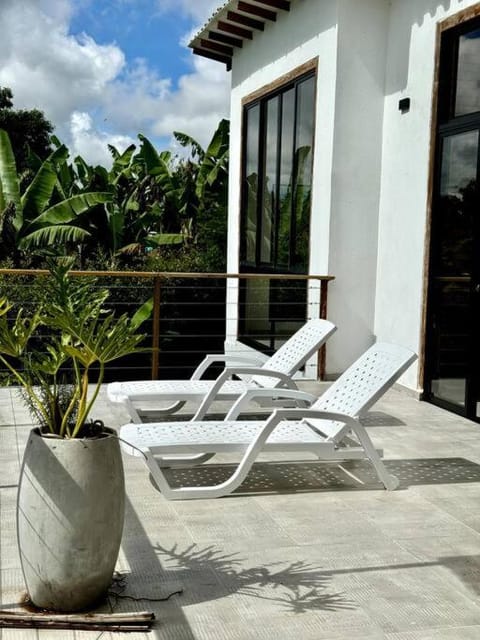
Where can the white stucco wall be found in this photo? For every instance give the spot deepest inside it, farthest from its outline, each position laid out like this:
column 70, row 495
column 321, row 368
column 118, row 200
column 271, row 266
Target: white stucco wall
column 371, row 162
column 405, row 171
column 356, row 170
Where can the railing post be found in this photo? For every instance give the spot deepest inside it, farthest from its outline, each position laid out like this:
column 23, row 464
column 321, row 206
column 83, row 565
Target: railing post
column 322, row 355
column 156, row 327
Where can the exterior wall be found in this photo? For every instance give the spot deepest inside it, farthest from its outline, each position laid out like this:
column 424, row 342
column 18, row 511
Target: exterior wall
column 405, row 171
column 371, row 162
column 356, row 170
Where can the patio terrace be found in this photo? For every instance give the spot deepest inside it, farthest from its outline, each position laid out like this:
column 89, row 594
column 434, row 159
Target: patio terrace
column 309, row 550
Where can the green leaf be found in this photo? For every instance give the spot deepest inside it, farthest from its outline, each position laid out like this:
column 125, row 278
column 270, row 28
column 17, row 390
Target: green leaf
column 187, row 141
column 69, row 209
column 15, row 334
column 142, row 314
column 53, row 235
column 220, row 140
column 163, row 239
column 9, row 187
column 148, row 154
column 38, row 193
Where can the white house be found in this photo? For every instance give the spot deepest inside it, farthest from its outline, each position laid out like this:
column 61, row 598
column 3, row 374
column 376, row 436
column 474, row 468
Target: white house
column 355, row 152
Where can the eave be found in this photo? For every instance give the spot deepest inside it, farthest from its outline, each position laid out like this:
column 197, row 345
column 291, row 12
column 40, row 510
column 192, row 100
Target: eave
column 232, row 24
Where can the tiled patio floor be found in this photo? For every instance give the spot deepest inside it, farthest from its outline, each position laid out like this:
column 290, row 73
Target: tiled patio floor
column 305, row 551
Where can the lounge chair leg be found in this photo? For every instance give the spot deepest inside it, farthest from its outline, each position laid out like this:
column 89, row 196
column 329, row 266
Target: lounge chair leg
column 166, row 411
column 192, row 493
column 389, row 481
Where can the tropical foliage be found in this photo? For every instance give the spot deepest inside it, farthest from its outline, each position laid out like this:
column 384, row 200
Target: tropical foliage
column 150, row 208
column 71, row 331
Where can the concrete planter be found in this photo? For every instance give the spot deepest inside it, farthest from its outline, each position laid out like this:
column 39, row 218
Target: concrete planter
column 70, row 514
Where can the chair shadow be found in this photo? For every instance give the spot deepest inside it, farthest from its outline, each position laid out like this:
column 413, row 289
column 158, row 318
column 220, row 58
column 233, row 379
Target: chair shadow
column 296, row 586
column 380, row 419
column 313, row 476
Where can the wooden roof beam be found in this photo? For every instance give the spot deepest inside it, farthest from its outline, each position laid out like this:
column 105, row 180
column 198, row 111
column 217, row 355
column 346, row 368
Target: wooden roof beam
column 237, row 31
column 277, row 4
column 233, row 16
column 255, row 10
column 221, row 37
column 216, row 46
column 213, row 56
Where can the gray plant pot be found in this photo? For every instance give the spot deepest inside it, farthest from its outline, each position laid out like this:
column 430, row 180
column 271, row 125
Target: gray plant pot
column 70, row 511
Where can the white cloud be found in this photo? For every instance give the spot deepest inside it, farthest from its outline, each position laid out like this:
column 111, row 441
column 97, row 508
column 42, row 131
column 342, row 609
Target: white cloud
column 88, row 142
column 199, row 10
column 47, row 67
column 199, row 103
column 91, row 93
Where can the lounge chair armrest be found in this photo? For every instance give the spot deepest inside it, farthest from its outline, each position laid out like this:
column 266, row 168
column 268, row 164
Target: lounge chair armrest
column 259, row 371
column 278, row 393
column 213, row 358
column 349, row 422
column 227, row 373
column 315, row 414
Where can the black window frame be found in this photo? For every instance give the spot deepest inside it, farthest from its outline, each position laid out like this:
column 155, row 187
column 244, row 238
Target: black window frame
column 279, row 288
column 258, row 266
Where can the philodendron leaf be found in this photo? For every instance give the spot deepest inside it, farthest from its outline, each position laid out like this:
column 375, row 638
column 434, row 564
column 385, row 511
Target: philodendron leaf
column 14, row 335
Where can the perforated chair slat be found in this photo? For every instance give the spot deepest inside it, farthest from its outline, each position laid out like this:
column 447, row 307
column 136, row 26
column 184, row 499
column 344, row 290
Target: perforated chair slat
column 293, row 354
column 367, row 379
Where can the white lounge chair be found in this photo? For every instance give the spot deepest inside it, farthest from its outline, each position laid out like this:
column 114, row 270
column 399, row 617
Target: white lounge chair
column 330, row 428
column 277, row 371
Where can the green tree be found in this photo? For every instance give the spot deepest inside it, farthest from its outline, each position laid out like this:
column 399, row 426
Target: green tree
column 41, row 216
column 27, row 129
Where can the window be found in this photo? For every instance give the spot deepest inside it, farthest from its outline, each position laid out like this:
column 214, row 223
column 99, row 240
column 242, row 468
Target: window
column 275, row 212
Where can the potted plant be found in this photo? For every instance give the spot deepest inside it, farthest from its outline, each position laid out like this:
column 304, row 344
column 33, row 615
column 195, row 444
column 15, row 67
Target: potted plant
column 70, row 505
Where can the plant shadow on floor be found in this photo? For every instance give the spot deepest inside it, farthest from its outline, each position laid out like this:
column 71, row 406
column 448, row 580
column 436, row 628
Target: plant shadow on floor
column 296, row 586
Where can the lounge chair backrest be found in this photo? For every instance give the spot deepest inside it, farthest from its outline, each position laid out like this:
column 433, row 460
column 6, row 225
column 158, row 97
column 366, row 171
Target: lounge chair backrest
column 366, row 380
column 296, row 351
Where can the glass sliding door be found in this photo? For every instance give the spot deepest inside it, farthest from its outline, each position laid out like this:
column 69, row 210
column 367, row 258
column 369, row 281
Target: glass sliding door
column 453, row 343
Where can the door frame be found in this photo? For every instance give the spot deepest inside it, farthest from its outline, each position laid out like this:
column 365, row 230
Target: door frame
column 456, row 23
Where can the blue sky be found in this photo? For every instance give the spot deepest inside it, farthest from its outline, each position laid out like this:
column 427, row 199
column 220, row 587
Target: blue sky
column 105, row 70
column 140, row 30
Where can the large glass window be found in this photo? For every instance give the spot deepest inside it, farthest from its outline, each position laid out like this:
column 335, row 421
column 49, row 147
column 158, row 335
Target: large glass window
column 275, row 221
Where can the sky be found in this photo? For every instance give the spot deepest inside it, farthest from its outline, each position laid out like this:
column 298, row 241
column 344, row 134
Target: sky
column 103, row 71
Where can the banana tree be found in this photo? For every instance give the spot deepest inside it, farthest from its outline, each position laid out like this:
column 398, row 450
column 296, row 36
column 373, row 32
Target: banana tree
column 210, row 178
column 41, row 216
column 145, row 211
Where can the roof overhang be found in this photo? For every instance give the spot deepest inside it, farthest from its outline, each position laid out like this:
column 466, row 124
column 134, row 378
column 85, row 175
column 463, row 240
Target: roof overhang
column 232, row 24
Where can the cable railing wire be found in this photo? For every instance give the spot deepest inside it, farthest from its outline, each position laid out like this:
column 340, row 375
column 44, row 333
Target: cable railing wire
column 191, row 312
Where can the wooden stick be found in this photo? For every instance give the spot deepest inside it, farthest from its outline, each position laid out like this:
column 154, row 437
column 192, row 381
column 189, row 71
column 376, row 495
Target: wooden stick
column 140, row 621
column 38, row 623
column 105, row 618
